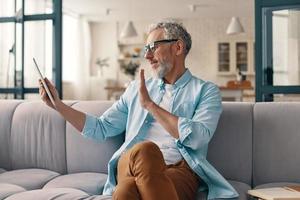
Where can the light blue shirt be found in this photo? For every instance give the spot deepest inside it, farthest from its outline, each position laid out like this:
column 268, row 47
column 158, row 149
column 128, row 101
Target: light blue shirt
column 197, row 103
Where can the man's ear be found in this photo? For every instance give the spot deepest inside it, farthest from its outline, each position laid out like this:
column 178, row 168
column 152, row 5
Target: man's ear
column 179, row 47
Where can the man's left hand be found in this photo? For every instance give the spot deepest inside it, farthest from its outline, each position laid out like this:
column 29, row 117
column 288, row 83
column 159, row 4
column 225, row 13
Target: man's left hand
column 145, row 99
column 165, row 118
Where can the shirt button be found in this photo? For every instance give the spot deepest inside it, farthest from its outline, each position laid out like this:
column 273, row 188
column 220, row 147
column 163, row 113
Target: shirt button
column 146, row 121
column 179, row 145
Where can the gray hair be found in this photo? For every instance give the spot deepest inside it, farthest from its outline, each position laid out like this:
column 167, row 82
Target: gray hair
column 174, row 30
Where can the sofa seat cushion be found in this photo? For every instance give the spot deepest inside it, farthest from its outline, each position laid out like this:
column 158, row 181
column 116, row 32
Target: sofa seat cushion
column 276, row 184
column 91, row 183
column 9, row 189
column 2, row 170
column 241, row 188
column 51, row 193
column 29, row 179
column 99, row 197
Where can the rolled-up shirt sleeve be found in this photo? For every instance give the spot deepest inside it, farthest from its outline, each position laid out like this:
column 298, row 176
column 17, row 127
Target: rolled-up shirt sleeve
column 90, row 123
column 197, row 131
column 111, row 123
column 93, row 128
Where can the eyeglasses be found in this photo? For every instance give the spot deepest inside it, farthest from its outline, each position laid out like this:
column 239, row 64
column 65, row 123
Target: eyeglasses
column 151, row 47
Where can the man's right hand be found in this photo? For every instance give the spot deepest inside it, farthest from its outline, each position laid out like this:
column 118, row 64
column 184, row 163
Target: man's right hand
column 75, row 117
column 44, row 95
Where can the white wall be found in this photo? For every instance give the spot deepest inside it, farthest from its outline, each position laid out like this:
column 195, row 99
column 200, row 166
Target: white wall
column 104, row 44
column 202, row 60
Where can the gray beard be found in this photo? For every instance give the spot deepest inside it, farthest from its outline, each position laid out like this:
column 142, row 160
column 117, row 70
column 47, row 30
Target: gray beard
column 161, row 71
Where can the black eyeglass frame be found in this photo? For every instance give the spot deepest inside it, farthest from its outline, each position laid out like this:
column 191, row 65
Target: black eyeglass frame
column 153, row 45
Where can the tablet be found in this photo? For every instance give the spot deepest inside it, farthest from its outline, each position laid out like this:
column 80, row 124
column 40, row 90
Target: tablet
column 43, row 82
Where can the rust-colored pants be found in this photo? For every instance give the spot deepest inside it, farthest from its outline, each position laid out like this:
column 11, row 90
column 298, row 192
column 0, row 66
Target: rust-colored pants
column 143, row 174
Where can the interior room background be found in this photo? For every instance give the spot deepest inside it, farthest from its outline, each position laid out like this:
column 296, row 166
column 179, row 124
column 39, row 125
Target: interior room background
column 93, row 50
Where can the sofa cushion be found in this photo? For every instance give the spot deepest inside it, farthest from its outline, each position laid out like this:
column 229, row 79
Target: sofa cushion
column 91, row 183
column 99, row 197
column 9, row 189
column 92, row 156
column 241, row 188
column 29, row 179
column 230, row 150
column 51, row 193
column 276, row 142
column 7, row 109
column 38, row 138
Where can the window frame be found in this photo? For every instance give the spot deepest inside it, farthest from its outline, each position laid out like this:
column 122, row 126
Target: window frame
column 19, row 91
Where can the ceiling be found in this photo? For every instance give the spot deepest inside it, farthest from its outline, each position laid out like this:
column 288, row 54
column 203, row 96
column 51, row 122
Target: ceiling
column 109, row 10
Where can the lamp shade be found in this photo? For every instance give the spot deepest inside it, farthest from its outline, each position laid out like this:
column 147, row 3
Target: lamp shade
column 235, row 26
column 128, row 31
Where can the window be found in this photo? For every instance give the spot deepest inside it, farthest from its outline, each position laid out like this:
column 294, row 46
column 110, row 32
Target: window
column 277, row 50
column 26, row 31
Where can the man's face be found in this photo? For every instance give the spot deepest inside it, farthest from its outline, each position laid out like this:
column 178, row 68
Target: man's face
column 159, row 55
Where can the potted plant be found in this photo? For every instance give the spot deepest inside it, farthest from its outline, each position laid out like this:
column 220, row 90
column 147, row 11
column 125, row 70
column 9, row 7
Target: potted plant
column 130, row 68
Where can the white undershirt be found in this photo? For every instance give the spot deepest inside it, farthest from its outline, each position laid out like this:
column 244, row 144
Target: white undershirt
column 160, row 136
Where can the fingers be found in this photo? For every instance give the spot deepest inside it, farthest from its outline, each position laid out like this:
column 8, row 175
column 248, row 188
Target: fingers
column 44, row 96
column 52, row 89
column 47, row 80
column 142, row 77
column 42, row 92
column 41, row 88
column 49, row 84
column 40, row 83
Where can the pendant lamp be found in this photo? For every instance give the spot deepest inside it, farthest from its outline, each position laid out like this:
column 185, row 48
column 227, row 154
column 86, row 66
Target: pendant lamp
column 128, row 31
column 235, row 26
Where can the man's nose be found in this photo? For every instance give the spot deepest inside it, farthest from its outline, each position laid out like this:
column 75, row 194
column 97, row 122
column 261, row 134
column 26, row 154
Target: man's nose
column 148, row 55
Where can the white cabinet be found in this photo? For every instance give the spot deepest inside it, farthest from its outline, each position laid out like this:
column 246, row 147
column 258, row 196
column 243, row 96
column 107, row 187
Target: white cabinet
column 234, row 56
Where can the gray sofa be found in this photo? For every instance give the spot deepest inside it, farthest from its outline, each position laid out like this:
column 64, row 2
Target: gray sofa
column 43, row 157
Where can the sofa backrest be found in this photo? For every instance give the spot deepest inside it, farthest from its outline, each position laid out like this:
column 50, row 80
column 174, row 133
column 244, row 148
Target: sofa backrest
column 85, row 154
column 254, row 143
column 276, row 143
column 230, row 150
column 37, row 138
column 32, row 135
column 40, row 138
column 7, row 109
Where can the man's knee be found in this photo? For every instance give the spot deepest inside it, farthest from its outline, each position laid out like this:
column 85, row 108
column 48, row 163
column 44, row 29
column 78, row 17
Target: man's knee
column 145, row 148
column 126, row 189
column 146, row 156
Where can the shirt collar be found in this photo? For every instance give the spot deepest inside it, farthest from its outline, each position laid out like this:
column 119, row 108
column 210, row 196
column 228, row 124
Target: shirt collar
column 181, row 82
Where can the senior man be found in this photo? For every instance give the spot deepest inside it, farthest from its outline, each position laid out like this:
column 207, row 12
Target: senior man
column 168, row 121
